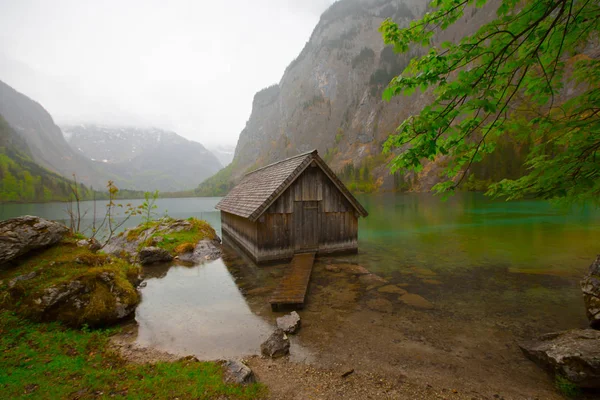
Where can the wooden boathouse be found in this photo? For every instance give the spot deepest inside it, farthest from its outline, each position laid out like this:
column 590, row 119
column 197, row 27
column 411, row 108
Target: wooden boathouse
column 293, row 206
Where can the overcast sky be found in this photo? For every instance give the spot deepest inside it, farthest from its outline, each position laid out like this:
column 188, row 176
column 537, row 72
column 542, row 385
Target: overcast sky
column 190, row 66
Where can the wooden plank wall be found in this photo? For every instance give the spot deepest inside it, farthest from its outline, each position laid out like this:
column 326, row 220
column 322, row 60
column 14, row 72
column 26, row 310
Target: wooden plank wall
column 242, row 230
column 337, row 219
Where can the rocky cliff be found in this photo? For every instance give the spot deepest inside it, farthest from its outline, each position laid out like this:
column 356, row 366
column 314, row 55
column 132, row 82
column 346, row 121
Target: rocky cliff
column 143, row 158
column 329, row 98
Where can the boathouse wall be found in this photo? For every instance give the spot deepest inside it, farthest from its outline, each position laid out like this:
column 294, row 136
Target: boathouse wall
column 311, row 215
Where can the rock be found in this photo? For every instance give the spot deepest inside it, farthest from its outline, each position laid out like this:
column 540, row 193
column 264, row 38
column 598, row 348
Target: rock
column 151, row 255
column 21, row 278
column 372, row 280
column 277, row 345
column 95, row 300
column 392, row 289
column 414, row 300
column 205, row 250
column 332, row 268
column 20, row 235
column 590, row 286
column 127, row 243
column 380, row 305
column 353, row 269
column 574, row 354
column 237, row 372
column 289, row 323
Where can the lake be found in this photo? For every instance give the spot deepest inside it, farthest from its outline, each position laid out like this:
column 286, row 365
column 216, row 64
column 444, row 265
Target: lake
column 492, row 269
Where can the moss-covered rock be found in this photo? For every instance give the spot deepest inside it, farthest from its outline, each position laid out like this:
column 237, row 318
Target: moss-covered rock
column 72, row 285
column 191, row 240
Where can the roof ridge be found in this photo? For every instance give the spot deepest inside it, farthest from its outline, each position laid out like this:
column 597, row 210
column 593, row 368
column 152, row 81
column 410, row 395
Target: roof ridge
column 281, row 161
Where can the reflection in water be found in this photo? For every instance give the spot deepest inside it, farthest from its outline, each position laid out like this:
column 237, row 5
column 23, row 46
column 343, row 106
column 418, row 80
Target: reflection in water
column 199, row 310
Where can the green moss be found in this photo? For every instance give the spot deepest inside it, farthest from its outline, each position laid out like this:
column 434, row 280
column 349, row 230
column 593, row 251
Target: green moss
column 57, row 267
column 200, row 230
column 35, row 355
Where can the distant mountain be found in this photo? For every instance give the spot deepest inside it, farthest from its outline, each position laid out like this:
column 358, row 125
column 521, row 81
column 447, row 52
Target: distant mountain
column 45, row 142
column 21, row 179
column 224, row 152
column 143, row 158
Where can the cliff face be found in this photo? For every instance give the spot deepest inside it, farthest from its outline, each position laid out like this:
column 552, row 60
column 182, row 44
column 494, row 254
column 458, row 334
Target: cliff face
column 329, row 97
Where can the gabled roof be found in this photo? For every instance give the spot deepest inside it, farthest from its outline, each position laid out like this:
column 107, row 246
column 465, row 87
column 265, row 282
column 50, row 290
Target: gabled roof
column 260, row 188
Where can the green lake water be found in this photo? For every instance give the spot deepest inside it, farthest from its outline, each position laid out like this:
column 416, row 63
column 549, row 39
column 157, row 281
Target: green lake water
column 516, row 264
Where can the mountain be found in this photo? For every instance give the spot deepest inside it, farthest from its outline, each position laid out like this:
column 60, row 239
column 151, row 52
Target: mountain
column 143, row 158
column 223, row 152
column 329, row 99
column 21, row 179
column 45, row 142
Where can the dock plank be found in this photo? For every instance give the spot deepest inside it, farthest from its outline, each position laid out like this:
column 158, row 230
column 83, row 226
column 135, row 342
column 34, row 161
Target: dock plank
column 294, row 284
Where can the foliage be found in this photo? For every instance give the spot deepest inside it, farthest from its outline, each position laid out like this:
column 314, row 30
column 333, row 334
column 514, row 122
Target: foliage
column 148, row 206
column 507, row 79
column 359, row 179
column 35, row 355
column 113, row 220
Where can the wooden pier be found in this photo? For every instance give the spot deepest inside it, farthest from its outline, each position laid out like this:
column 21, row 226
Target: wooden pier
column 293, row 286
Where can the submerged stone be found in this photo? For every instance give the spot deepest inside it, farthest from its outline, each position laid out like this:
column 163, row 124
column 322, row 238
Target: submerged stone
column 432, row 281
column 20, row 235
column 574, row 354
column 391, row 289
column 414, row 300
column 332, row 268
column 353, row 269
column 590, row 286
column 380, row 305
column 277, row 345
column 372, row 280
column 289, row 323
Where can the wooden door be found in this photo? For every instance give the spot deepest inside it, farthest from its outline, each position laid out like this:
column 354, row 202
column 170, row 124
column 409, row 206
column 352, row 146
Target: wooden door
column 306, row 225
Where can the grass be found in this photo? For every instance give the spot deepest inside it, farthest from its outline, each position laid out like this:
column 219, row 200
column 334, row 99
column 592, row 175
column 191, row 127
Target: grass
column 49, row 361
column 56, row 267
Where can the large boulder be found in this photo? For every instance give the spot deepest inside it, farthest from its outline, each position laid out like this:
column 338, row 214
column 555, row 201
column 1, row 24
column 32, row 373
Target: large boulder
column 590, row 285
column 20, row 235
column 96, row 298
column 277, row 345
column 574, row 354
column 150, row 255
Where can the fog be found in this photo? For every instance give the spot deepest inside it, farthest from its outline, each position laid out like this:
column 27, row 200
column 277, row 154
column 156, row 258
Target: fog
column 188, row 66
